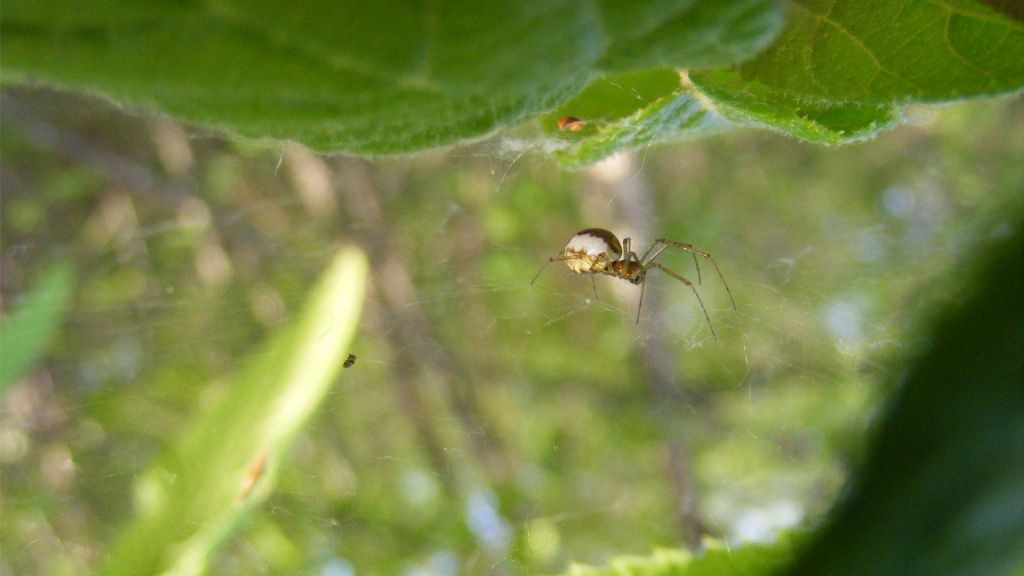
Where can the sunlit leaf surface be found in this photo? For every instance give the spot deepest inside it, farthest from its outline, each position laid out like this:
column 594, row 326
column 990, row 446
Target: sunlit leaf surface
column 627, row 111
column 751, row 103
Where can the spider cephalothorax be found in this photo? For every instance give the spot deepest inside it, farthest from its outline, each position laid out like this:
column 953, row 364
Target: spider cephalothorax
column 598, row 251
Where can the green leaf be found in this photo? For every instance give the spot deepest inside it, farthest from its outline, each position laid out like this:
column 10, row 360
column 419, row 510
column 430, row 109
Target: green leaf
column 755, row 104
column 943, row 490
column 361, row 76
column 225, row 464
column 716, row 559
column 367, row 78
column 611, row 99
column 27, row 334
column 627, row 111
column 686, row 34
column 880, row 51
column 797, row 86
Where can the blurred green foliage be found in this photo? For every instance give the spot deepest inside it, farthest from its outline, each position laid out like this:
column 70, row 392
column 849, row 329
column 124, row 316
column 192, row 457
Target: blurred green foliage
column 716, row 559
column 942, row 491
column 28, row 332
column 228, row 459
column 487, row 426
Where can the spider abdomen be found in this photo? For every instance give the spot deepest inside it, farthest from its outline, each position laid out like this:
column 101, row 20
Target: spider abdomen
column 592, row 250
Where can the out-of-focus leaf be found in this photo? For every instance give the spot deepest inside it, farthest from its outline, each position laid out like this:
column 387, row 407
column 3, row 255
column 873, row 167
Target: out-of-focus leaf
column 880, row 51
column 943, row 491
column 714, row 560
column 361, row 76
column 189, row 501
column 627, row 111
column 816, row 121
column 28, row 332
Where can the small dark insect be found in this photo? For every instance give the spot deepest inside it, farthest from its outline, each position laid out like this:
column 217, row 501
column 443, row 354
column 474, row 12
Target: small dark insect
column 349, row 361
column 598, row 251
column 571, row 123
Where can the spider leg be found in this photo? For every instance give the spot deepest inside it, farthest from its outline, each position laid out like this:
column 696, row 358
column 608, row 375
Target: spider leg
column 643, row 286
column 648, row 258
column 542, row 268
column 594, row 284
column 696, row 252
column 647, row 254
column 692, row 287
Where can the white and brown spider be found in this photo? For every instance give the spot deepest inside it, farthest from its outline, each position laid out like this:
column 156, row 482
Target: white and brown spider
column 598, row 251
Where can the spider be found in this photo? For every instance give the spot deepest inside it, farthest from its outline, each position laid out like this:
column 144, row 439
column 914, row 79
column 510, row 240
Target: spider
column 598, row 251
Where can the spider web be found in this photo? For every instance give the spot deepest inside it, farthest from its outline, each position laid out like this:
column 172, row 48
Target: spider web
column 488, row 425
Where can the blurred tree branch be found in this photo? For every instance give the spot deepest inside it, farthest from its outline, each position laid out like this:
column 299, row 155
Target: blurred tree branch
column 622, row 179
column 49, row 134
